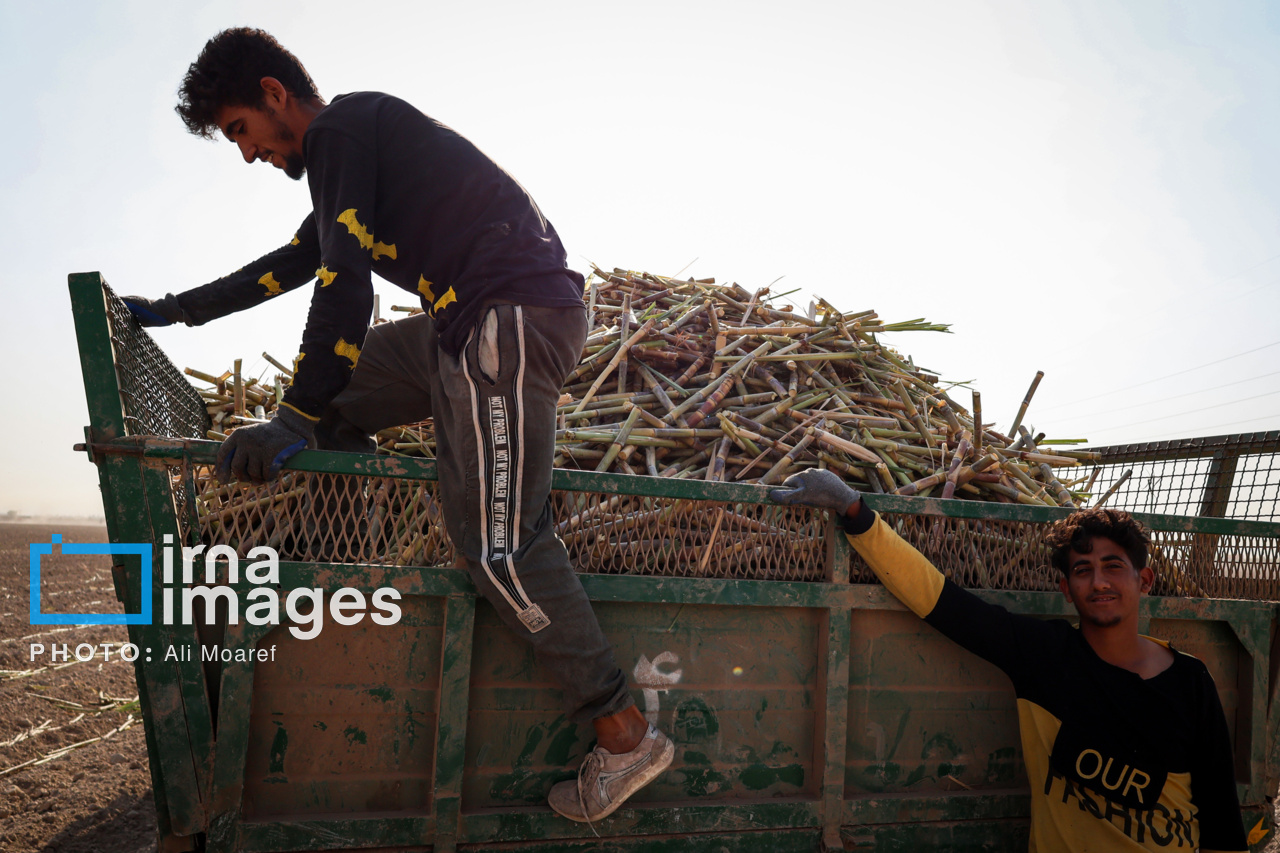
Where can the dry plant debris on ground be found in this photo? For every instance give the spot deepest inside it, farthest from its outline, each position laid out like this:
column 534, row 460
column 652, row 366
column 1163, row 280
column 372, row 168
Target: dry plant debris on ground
column 73, row 757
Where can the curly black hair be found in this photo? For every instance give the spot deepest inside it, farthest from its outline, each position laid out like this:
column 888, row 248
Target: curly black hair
column 228, row 73
column 1077, row 531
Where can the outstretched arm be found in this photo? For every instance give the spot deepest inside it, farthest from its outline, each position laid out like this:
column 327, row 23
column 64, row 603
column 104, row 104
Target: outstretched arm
column 277, row 272
column 1008, row 640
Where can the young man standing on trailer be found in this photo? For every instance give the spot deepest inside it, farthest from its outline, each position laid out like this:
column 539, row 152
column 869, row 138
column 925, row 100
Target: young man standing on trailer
column 1124, row 738
column 397, row 193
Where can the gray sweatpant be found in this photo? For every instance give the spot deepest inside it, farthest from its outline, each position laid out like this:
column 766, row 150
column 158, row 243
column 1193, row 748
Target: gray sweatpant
column 494, row 409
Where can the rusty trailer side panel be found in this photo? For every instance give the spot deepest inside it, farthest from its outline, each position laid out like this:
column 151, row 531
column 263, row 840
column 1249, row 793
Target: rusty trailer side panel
column 809, row 709
column 344, row 723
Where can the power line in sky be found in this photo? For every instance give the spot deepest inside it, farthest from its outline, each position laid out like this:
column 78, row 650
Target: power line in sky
column 1172, row 305
column 1176, row 396
column 1182, row 414
column 1159, row 378
column 1203, row 430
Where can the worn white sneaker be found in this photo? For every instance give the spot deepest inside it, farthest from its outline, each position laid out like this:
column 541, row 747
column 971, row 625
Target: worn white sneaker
column 605, row 780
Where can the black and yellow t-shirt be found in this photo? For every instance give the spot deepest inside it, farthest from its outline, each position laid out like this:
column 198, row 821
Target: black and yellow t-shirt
column 396, row 193
column 1116, row 762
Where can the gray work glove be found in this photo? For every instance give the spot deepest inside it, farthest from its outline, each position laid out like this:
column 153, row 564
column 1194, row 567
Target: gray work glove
column 156, row 312
column 257, row 453
column 816, row 488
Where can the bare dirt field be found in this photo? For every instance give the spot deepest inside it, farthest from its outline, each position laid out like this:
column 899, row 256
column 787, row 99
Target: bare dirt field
column 96, row 796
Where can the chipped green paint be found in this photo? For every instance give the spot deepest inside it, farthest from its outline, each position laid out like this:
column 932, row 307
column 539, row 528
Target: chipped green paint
column 937, row 754
column 410, row 723
column 944, row 746
column 916, row 776
column 523, row 784
column 703, row 781
column 382, row 694
column 279, row 744
column 891, row 748
column 764, row 706
column 560, row 751
column 1002, row 766
column 355, row 735
column 695, row 721
column 721, row 817
column 939, row 743
column 780, row 748
column 881, row 776
column 319, row 724
column 757, row 777
column 525, row 758
column 97, row 361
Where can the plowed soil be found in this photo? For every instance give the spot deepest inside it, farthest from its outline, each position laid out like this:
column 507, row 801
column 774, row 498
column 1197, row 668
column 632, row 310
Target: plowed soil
column 95, row 798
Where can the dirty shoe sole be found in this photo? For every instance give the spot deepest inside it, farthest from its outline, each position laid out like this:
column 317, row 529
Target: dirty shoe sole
column 661, row 761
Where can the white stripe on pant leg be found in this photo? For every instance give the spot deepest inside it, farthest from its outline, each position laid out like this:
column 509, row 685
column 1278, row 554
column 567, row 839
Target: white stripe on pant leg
column 533, row 618
column 482, row 452
column 529, row 614
column 519, row 384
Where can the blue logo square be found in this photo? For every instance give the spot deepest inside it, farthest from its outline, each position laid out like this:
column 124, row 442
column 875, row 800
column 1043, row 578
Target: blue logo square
column 144, row 554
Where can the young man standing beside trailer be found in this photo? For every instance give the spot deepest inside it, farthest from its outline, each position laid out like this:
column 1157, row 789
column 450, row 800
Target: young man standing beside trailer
column 503, row 323
column 1124, row 738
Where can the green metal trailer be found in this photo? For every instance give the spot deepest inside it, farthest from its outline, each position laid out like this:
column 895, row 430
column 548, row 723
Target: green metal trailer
column 810, row 710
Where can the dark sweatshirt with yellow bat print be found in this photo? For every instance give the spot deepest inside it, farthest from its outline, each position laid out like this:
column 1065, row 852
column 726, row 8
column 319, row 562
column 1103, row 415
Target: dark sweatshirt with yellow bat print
column 396, row 193
column 1116, row 762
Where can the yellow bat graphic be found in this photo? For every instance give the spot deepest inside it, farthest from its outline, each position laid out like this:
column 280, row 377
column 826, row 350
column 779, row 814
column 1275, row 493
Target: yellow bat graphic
column 424, row 287
column 443, row 301
column 295, row 241
column 269, row 282
column 347, row 350
column 297, row 358
column 361, row 233
column 326, row 276
column 1256, row 834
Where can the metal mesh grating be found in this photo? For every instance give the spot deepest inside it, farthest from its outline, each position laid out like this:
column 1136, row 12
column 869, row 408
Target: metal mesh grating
column 628, row 534
column 157, row 398
column 995, row 554
column 1255, row 492
column 341, row 518
column 331, row 518
column 986, row 554
column 1229, row 476
column 1207, row 565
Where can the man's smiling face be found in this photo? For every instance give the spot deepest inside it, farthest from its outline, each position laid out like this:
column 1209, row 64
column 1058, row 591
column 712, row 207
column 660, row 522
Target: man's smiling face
column 1103, row 584
column 262, row 135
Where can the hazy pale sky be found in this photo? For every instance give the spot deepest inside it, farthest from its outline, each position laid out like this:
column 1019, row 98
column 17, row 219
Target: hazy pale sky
column 1084, row 188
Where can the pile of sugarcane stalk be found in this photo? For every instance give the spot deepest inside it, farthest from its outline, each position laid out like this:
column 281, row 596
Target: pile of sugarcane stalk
column 688, row 379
